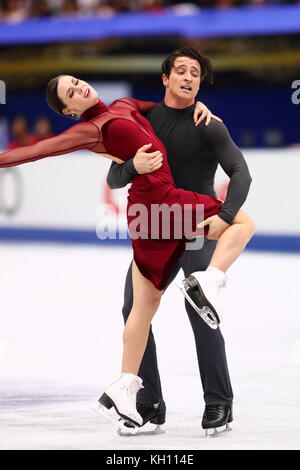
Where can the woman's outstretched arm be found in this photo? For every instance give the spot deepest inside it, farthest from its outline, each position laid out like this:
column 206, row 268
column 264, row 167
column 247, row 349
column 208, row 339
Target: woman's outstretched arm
column 81, row 136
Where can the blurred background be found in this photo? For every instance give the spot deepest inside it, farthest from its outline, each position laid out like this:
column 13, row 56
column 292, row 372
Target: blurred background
column 118, row 46
column 57, row 293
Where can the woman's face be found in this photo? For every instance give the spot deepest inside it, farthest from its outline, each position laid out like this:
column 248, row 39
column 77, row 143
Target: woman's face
column 76, row 94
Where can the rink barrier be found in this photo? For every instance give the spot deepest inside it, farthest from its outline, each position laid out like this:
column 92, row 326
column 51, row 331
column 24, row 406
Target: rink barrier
column 260, row 242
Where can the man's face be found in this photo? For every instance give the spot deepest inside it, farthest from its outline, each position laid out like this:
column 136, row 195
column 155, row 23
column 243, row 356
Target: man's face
column 184, row 80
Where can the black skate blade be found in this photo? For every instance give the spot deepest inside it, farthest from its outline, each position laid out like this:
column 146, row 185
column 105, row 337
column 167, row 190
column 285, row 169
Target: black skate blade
column 195, row 291
column 205, row 312
column 217, row 432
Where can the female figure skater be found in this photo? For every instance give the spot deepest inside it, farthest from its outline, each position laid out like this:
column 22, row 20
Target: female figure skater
column 117, row 132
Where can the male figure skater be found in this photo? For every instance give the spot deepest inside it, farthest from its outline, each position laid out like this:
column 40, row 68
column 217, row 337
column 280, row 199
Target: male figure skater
column 193, row 155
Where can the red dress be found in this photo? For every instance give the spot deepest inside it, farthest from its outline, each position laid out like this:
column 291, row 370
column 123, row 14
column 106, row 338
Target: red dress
column 120, row 130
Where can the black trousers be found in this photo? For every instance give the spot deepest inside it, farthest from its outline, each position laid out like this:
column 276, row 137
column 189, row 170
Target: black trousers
column 210, row 344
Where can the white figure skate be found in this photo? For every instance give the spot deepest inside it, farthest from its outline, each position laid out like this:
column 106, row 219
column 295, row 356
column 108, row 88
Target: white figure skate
column 122, row 396
column 201, row 289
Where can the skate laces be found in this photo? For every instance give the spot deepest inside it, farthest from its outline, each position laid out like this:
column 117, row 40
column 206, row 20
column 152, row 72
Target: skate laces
column 218, row 275
column 224, row 282
column 221, row 281
column 211, row 410
column 132, row 390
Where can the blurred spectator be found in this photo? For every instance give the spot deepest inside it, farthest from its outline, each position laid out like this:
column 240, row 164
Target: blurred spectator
column 69, row 7
column 273, row 138
column 187, row 8
column 228, row 3
column 39, row 8
column 153, row 5
column 88, row 6
column 120, row 6
column 20, row 134
column 14, row 10
column 42, row 129
column 105, row 7
column 18, row 10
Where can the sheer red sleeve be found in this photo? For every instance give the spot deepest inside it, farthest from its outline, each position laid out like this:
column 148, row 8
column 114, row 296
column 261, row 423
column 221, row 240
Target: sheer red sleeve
column 141, row 106
column 81, row 136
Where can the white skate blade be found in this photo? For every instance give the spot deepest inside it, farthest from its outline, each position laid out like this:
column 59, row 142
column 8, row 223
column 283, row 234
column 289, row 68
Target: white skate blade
column 101, row 410
column 216, row 432
column 117, row 420
column 203, row 312
column 124, row 431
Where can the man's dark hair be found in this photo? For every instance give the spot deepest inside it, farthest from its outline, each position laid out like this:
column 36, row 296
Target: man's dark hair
column 188, row 51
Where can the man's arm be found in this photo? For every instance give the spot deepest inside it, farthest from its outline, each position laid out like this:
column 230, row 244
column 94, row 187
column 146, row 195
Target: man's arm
column 233, row 163
column 121, row 175
column 143, row 162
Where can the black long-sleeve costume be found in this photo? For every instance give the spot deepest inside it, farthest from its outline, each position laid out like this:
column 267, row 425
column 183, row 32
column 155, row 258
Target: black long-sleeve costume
column 193, row 155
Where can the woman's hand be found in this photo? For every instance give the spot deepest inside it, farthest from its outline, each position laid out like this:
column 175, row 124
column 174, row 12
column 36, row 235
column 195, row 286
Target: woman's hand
column 201, row 112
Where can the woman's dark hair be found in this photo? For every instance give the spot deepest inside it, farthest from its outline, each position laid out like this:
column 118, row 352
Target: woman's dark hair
column 188, row 51
column 53, row 99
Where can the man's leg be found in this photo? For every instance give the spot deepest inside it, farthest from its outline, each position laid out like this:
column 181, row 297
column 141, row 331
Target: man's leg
column 209, row 343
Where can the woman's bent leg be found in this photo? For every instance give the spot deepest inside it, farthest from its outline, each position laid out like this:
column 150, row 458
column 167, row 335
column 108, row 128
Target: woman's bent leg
column 233, row 241
column 203, row 287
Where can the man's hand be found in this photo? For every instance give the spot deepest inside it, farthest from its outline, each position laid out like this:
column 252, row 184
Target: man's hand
column 147, row 162
column 201, row 112
column 216, row 227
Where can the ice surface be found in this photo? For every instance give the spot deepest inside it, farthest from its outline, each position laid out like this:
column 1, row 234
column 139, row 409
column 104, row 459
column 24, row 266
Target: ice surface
column 61, row 343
